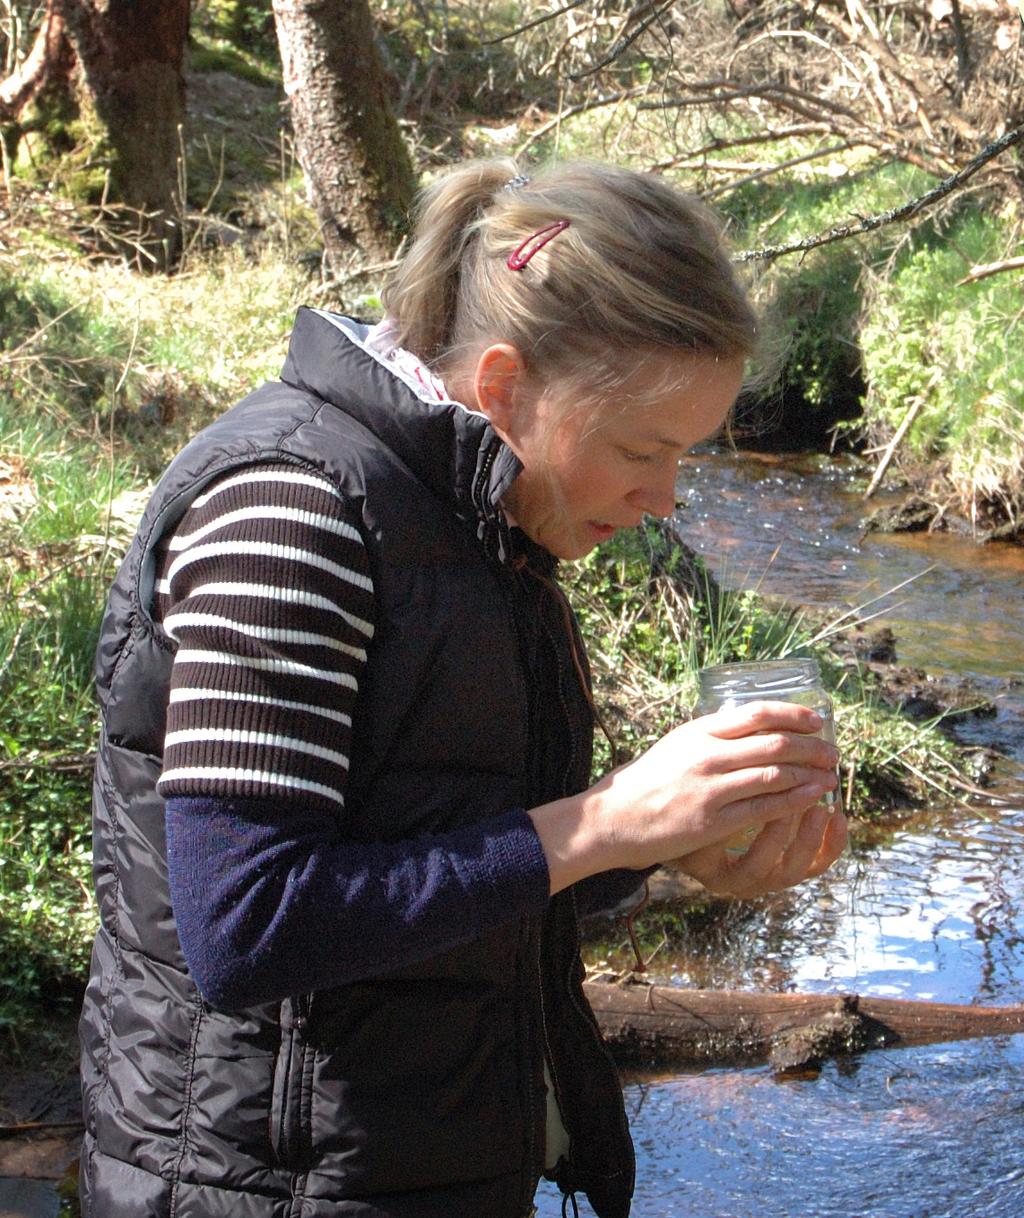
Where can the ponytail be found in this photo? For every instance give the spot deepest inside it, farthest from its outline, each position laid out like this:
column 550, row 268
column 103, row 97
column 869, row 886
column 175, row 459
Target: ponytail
column 422, row 297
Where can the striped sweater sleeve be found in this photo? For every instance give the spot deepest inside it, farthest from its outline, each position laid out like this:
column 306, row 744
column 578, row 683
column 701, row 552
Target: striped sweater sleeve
column 266, row 589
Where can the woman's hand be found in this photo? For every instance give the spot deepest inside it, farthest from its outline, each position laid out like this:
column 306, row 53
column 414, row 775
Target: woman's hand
column 784, row 853
column 719, row 774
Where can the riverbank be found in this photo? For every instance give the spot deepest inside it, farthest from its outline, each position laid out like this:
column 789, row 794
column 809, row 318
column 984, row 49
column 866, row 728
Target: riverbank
column 925, row 507
column 40, row 1121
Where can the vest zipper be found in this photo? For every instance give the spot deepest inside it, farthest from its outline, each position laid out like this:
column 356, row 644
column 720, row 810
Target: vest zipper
column 587, row 1015
column 289, row 1120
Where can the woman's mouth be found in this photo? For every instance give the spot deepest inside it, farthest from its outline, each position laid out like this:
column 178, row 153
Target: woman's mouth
column 601, row 531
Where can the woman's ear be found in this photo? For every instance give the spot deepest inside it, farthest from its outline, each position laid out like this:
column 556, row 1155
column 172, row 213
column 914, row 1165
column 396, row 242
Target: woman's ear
column 499, row 371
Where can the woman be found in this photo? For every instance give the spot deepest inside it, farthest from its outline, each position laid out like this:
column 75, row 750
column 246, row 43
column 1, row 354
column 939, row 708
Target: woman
column 343, row 826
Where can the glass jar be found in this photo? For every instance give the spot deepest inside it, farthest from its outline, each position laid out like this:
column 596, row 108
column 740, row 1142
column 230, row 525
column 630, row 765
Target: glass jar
column 792, row 680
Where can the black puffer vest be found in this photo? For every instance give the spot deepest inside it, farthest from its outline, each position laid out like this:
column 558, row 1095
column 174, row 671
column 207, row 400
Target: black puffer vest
column 418, row 1093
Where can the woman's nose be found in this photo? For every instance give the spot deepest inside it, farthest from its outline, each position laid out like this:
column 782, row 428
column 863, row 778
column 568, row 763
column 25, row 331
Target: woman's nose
column 657, row 496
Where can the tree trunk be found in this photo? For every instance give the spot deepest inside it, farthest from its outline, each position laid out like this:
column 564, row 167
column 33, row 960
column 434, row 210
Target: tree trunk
column 131, row 93
column 652, row 1025
column 346, row 135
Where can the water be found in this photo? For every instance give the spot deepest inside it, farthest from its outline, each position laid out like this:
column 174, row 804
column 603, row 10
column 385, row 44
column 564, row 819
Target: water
column 933, row 912
column 796, row 529
column 931, row 1131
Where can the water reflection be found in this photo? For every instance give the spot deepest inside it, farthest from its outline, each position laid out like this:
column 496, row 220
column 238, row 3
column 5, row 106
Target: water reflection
column 794, row 526
column 931, row 1132
column 936, row 912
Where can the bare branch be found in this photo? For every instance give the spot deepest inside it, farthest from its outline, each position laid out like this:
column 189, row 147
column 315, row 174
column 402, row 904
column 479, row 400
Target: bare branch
column 873, row 41
column 26, row 81
column 770, row 169
column 781, row 94
column 608, row 99
column 521, row 29
column 761, row 137
column 905, row 211
column 991, row 268
column 624, row 43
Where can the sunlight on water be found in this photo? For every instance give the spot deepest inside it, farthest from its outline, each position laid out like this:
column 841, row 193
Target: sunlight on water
column 927, row 1132
column 932, row 1132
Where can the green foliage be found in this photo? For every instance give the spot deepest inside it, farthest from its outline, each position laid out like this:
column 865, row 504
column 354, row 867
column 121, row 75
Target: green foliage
column 815, row 301
column 956, row 350
column 60, row 546
column 48, row 626
column 235, row 36
column 210, row 54
column 97, row 388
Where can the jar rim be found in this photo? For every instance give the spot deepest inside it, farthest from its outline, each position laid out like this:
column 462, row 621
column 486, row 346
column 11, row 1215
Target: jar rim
column 803, row 665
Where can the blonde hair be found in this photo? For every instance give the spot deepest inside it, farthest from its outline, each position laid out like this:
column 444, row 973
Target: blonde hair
column 642, row 265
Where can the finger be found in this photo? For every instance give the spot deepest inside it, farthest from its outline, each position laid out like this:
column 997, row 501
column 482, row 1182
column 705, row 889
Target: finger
column 732, row 722
column 725, row 873
column 714, row 868
column 771, row 865
column 765, row 852
column 803, row 851
column 769, row 748
column 767, row 792
column 785, row 852
column 833, row 843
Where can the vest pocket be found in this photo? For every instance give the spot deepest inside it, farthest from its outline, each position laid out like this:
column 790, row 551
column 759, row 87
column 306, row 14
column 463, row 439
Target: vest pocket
column 291, row 1096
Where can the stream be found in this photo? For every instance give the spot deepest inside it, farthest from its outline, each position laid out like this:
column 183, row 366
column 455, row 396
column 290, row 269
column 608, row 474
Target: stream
column 935, row 911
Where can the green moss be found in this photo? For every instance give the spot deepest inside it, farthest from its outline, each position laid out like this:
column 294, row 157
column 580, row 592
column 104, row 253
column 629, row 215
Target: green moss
column 66, row 148
column 207, row 53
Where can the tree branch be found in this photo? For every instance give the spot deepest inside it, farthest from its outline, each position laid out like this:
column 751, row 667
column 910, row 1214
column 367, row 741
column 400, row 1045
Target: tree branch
column 31, row 76
column 991, row 268
column 868, row 223
column 608, row 99
column 623, row 43
column 762, row 137
column 521, row 29
column 783, row 95
column 770, row 169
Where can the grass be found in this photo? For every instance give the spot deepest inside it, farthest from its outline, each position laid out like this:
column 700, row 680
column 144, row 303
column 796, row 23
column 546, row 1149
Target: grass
column 102, row 377
column 955, row 351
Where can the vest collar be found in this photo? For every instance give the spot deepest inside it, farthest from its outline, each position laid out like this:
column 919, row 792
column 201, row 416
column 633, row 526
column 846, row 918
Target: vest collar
column 450, row 448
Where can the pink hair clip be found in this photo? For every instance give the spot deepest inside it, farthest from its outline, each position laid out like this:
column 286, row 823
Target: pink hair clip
column 535, row 242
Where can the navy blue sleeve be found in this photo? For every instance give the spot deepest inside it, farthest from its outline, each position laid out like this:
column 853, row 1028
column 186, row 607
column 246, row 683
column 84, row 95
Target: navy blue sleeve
column 270, row 901
column 601, row 893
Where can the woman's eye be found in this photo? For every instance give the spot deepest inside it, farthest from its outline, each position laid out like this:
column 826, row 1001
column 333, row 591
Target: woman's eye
column 631, row 455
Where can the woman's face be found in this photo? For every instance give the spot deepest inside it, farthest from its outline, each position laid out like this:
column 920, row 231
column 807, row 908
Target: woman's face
column 590, row 470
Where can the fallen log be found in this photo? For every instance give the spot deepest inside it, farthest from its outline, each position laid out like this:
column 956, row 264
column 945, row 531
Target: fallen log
column 654, row 1026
